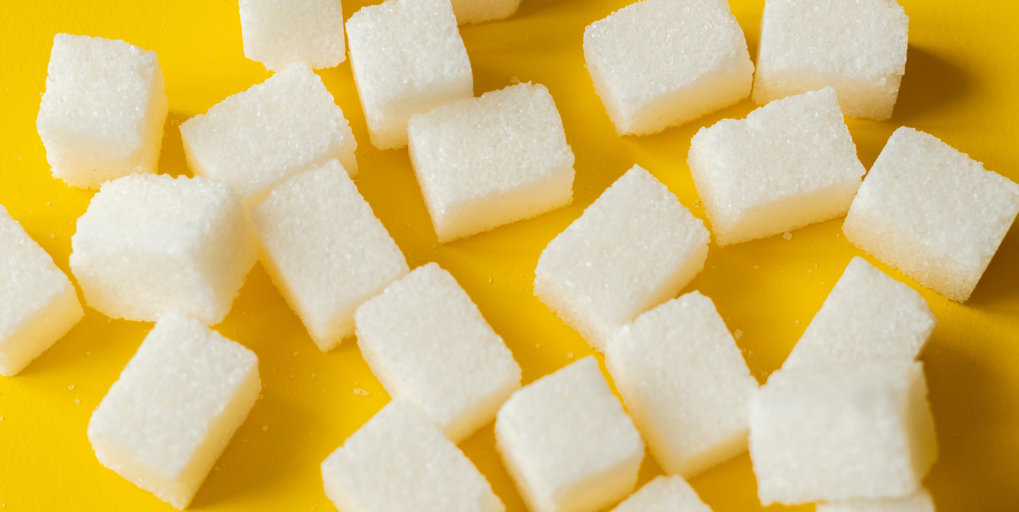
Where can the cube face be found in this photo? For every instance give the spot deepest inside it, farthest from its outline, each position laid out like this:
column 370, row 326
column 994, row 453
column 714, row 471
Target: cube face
column 102, row 114
column 488, row 161
column 661, row 63
column 664, row 494
column 477, row 11
column 932, row 212
column 918, row 502
column 278, row 33
column 788, row 164
column 407, row 58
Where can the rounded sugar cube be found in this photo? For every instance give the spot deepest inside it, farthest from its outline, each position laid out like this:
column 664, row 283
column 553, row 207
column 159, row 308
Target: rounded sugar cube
column 664, row 494
column 278, row 33
column 918, row 502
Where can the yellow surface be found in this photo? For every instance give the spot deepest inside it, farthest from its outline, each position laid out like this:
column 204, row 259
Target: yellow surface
column 961, row 84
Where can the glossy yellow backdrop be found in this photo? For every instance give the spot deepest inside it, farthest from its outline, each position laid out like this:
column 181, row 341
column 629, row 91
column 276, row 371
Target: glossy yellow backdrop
column 961, row 84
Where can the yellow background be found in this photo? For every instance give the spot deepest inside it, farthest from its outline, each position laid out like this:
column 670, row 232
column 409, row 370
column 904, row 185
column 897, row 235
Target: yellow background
column 961, row 84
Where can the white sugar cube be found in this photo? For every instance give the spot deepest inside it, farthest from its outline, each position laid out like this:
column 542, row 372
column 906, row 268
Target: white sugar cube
column 839, row 432
column 788, row 164
column 664, row 494
column 661, row 63
column 932, row 212
column 684, row 381
column 38, row 304
column 102, row 114
column 488, row 161
column 325, row 250
column 257, row 138
column 278, row 33
column 174, row 408
column 635, row 247
column 400, row 461
column 867, row 316
column 477, row 11
column 150, row 245
column 857, row 47
column 426, row 341
column 567, row 442
column 917, row 502
column 408, row 58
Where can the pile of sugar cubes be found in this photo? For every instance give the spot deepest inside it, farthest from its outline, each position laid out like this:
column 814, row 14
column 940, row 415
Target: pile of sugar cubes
column 844, row 423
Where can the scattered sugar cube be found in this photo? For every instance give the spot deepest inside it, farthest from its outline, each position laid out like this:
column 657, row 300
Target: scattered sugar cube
column 857, row 47
column 477, row 11
column 150, row 245
column 932, row 212
column 425, row 340
column 38, row 304
column 399, row 460
column 664, row 494
column 408, row 58
column 635, row 247
column 488, row 161
column 278, row 33
column 788, row 164
column 102, row 114
column 839, row 432
column 174, row 408
column 684, row 381
column 325, row 250
column 917, row 502
column 662, row 63
column 257, row 138
column 567, row 442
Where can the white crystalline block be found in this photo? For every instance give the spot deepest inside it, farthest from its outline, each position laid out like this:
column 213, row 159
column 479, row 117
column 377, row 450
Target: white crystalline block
column 932, row 212
column 488, row 161
column 103, row 111
column 150, row 245
column 788, row 164
column 857, row 47
column 257, row 138
column 426, row 341
column 838, row 432
column 408, row 58
column 477, row 11
column 635, row 247
column 661, row 63
column 918, row 502
column 325, row 250
column 278, row 33
column 567, row 442
column 400, row 461
column 684, row 381
column 174, row 408
column 664, row 494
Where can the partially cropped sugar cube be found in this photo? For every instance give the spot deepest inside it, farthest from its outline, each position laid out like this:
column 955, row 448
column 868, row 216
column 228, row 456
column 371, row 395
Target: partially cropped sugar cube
column 102, row 114
column 278, row 33
column 151, row 245
column 684, row 382
column 635, row 247
column 39, row 302
column 841, row 432
column 662, row 63
column 257, row 138
column 407, row 58
column 868, row 315
column 488, row 161
column 857, row 47
column 918, row 502
column 325, row 250
column 932, row 212
column 567, row 442
column 174, row 408
column 399, row 460
column 664, row 494
column 477, row 11
column 788, row 164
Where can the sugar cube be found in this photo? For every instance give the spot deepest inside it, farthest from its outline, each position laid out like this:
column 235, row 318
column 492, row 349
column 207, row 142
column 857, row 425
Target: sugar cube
column 567, row 443
column 38, row 304
column 684, row 382
column 788, row 164
column 662, row 63
column 150, row 245
column 488, row 161
column 868, row 315
column 918, row 502
column 664, row 494
column 932, row 212
column 843, row 431
column 102, row 114
column 257, row 138
column 408, row 58
column 635, row 247
column 857, row 47
column 477, row 11
column 398, row 461
column 324, row 249
column 278, row 33
column 174, row 408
